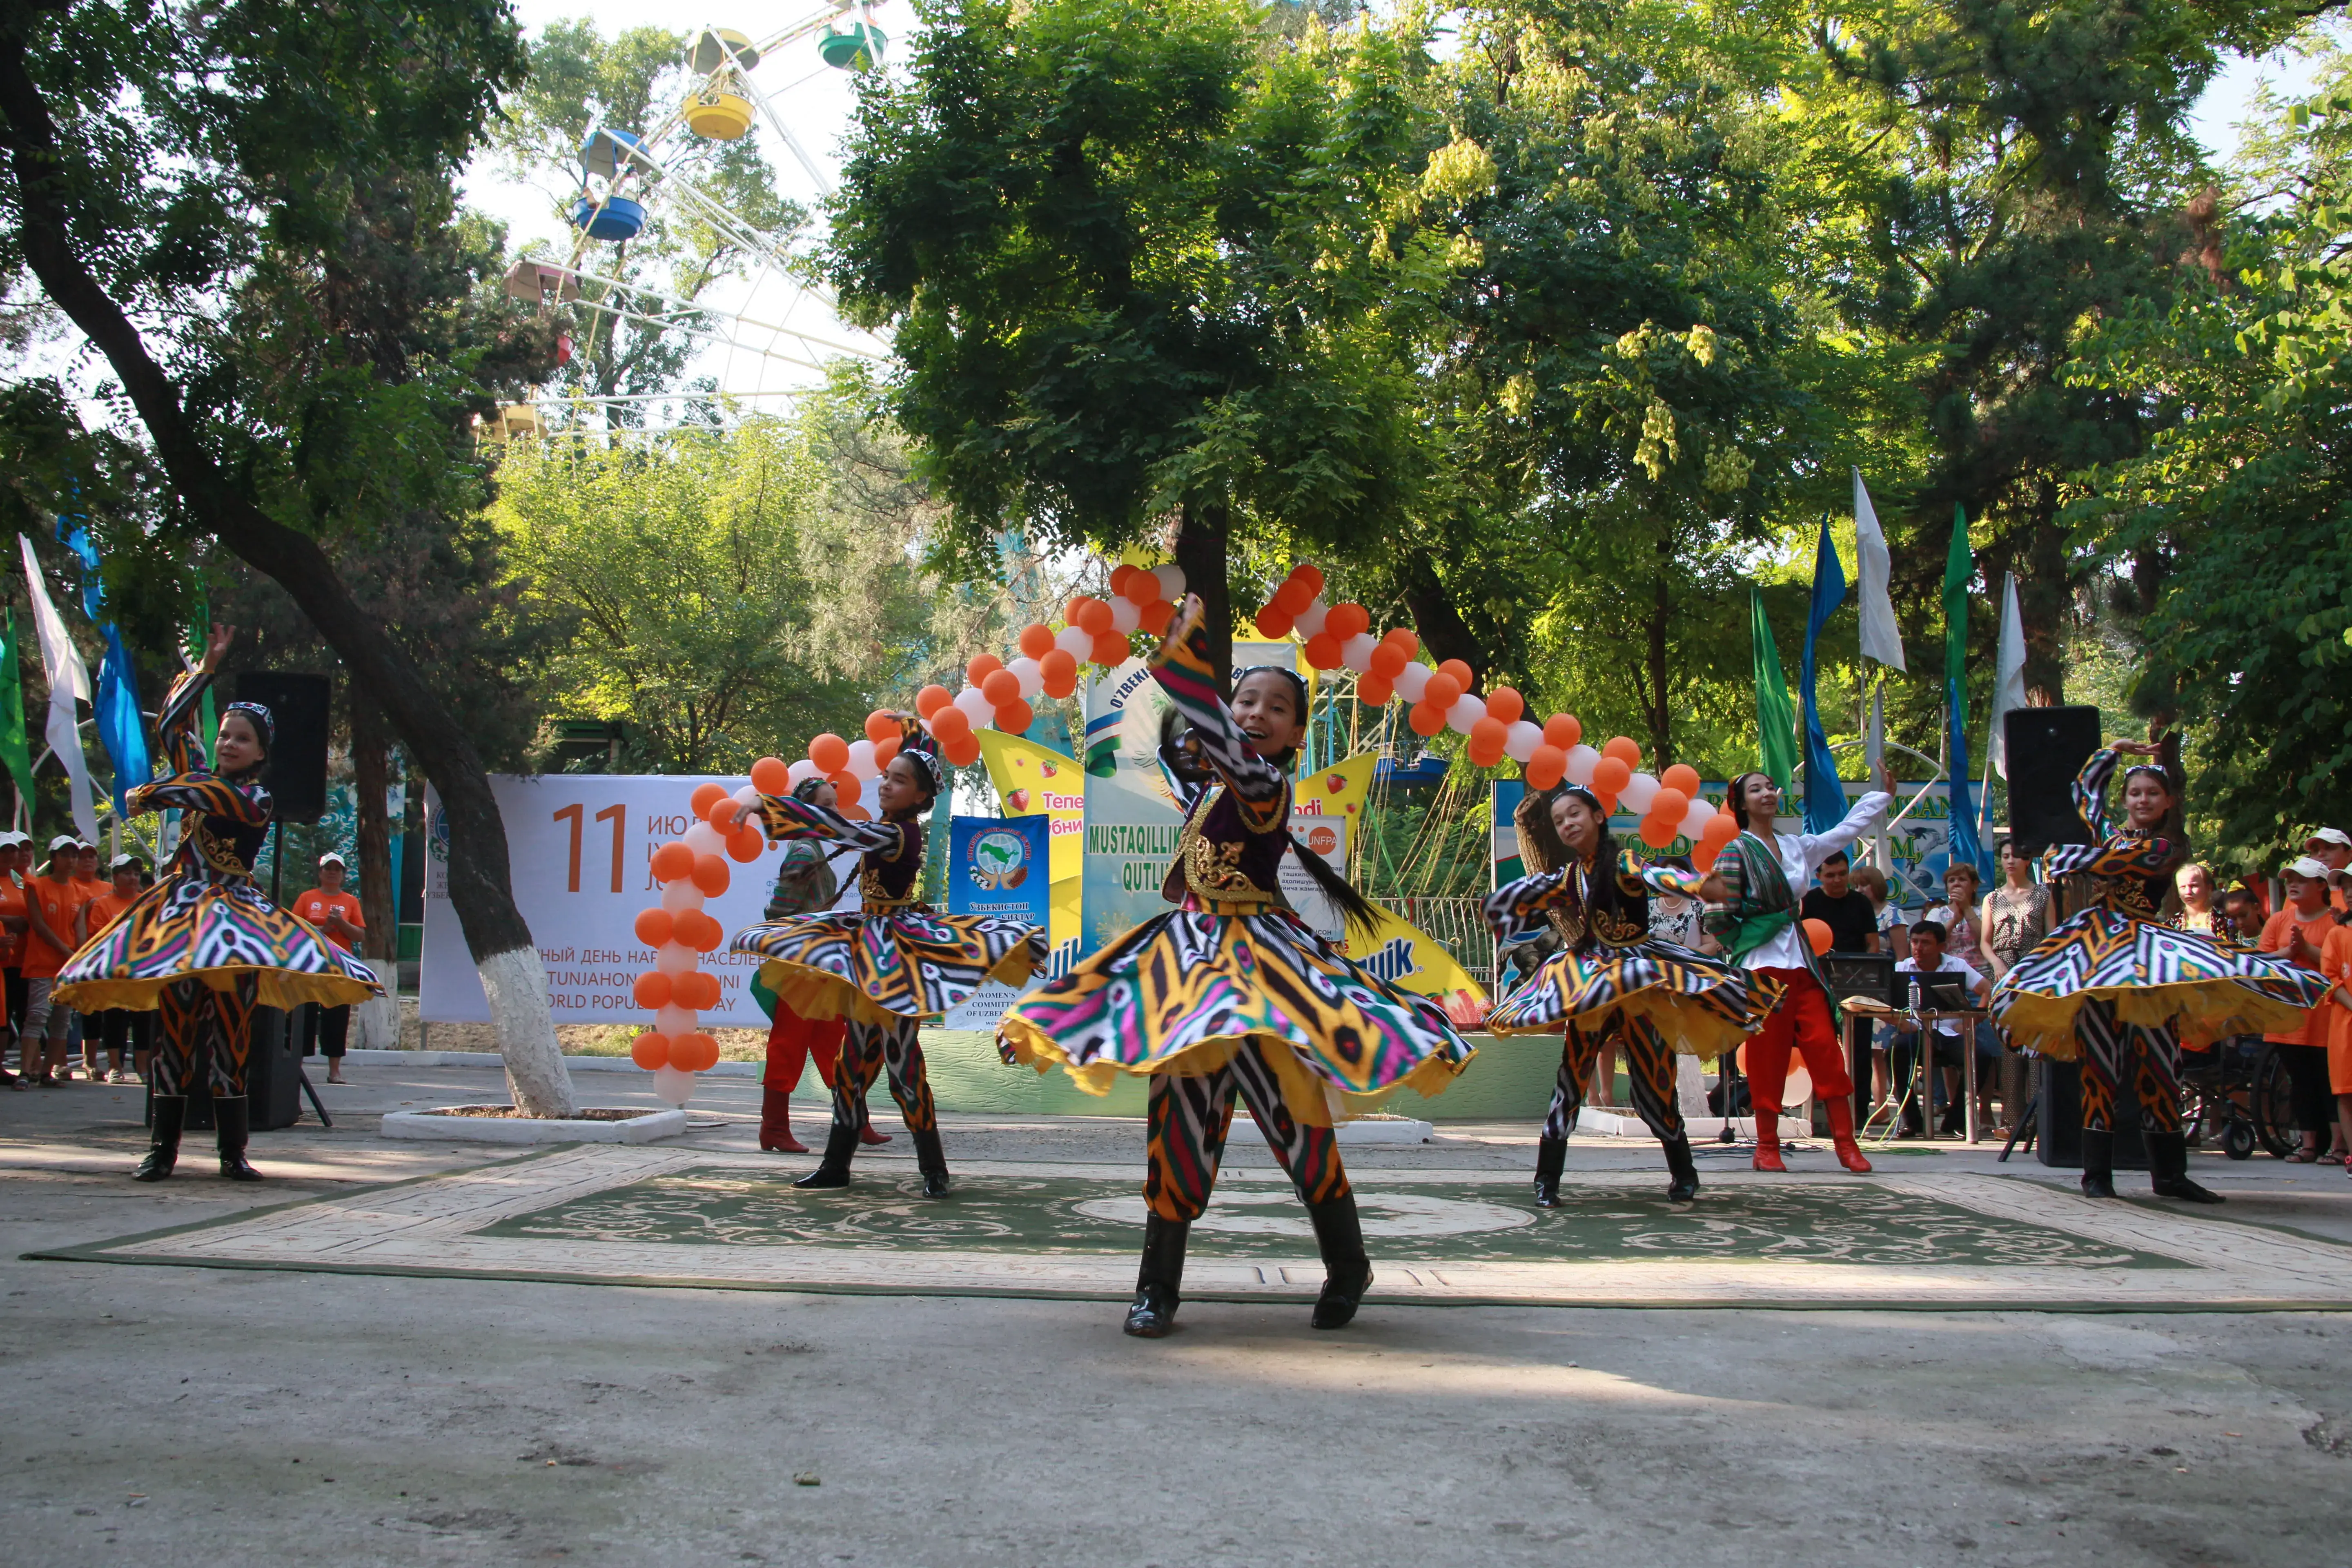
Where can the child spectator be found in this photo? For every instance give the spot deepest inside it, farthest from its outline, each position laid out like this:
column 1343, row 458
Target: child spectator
column 337, row 913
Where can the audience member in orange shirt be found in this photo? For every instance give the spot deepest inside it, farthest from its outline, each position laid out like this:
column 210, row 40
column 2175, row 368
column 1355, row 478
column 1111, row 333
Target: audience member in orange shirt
column 49, row 906
column 116, row 1025
column 16, row 854
column 2295, row 933
column 337, row 913
column 2335, row 963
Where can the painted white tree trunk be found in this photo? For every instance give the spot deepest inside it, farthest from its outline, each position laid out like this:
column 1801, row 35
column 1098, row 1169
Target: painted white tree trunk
column 378, row 1018
column 515, row 982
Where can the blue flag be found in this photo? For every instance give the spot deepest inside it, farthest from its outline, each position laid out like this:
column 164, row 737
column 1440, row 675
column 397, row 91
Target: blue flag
column 116, row 698
column 1824, row 796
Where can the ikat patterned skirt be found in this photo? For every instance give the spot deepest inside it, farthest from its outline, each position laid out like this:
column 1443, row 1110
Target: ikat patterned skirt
column 1702, row 1006
column 2155, row 975
column 907, row 963
column 1181, row 993
column 189, row 926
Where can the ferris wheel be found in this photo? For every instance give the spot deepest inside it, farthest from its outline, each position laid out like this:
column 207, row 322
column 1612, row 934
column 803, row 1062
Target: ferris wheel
column 770, row 334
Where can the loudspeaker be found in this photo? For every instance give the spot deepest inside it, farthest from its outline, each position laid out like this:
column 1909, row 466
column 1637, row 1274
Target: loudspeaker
column 2047, row 747
column 2058, row 1126
column 273, row 1077
column 302, row 708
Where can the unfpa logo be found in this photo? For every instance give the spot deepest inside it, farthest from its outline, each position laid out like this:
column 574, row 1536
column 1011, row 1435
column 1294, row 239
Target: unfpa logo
column 1393, row 962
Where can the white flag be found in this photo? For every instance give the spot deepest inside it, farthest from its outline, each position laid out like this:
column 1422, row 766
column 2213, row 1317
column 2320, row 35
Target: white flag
column 1880, row 639
column 69, row 680
column 2009, row 683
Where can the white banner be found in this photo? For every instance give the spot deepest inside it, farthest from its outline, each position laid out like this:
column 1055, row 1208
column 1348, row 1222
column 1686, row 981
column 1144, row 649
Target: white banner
column 579, row 848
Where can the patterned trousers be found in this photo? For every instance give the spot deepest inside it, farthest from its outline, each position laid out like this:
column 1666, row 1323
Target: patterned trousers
column 2112, row 1050
column 866, row 1051
column 1190, row 1118
column 1649, row 1063
column 195, row 1017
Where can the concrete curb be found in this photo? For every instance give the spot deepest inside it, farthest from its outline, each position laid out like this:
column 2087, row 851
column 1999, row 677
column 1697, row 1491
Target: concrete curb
column 1384, row 1130
column 506, row 1130
column 492, row 1060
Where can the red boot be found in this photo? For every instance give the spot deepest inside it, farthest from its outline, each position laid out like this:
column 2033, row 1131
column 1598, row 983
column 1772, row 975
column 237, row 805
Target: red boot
column 1767, row 1139
column 865, row 1134
column 776, row 1123
column 1849, row 1152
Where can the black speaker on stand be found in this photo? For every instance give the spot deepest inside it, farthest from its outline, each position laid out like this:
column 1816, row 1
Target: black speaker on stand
column 2058, row 1128
column 2046, row 748
column 273, row 1079
column 302, row 708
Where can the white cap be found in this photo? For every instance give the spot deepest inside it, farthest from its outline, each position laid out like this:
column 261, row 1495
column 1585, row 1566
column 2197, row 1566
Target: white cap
column 120, row 861
column 2304, row 866
column 64, row 841
column 11, row 838
column 2335, row 835
column 331, row 859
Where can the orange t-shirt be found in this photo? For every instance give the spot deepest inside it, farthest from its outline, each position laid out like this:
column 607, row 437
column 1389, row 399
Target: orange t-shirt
column 2316, row 930
column 106, row 909
column 314, row 906
column 12, row 905
column 2335, row 963
column 41, row 961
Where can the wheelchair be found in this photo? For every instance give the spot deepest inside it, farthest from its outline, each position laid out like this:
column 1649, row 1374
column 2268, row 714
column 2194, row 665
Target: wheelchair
column 2226, row 1093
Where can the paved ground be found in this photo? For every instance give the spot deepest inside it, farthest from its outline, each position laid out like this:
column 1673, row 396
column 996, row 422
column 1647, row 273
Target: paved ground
column 166, row 1415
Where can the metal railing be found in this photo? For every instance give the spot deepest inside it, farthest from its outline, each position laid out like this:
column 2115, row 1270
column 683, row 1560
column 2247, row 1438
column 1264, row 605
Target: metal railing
column 1457, row 925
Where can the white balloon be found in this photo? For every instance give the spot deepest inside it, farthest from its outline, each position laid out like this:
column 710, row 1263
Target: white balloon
column 1357, row 652
column 703, row 840
column 1581, row 760
column 1124, row 614
column 675, row 958
column 1171, row 582
column 975, row 705
column 803, row 771
column 1412, row 680
column 673, row 1020
column 1696, row 819
column 1466, row 710
column 861, row 760
column 1031, row 678
column 1310, row 621
column 1076, row 641
column 673, row 1086
column 746, row 796
column 1520, row 740
column 681, row 895
column 1638, row 791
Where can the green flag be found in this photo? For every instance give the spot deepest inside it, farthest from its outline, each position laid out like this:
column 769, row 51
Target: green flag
column 200, row 632
column 1966, row 844
column 1776, row 716
column 15, row 750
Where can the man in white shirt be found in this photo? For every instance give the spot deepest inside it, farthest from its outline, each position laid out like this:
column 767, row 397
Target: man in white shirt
column 1761, row 875
column 1928, row 957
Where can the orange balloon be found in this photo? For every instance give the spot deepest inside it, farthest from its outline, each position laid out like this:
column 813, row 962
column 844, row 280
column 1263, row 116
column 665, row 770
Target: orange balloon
column 1670, row 804
column 1818, row 933
column 770, row 776
column 1348, row 620
column 845, row 786
column 982, row 666
column 710, row 875
column 1388, row 660
column 829, row 752
column 699, row 931
column 1153, row 618
column 1489, row 735
column 1307, row 572
column 1059, row 672
column 1425, row 719
column 850, row 811
column 696, row 1052
column 1323, row 651
column 1460, row 670
column 1293, row 598
column 1001, row 687
column 1703, row 856
column 1119, row 578
column 1505, row 704
column 673, row 861
column 886, row 749
column 1657, row 833
column 650, row 1051
column 1443, row 691
column 880, row 725
column 1016, row 717
column 950, row 722
column 720, row 814
column 1037, row 640
column 1071, row 611
column 1375, row 689
column 1093, row 616
column 1608, row 801
column 1563, row 730
column 930, row 699
column 697, row 991
column 746, row 844
column 1484, row 756
column 652, row 990
column 654, row 927
column 1622, row 748
column 1547, row 767
column 1405, row 640
column 1723, row 827
column 704, row 794
column 1683, row 777
column 1110, row 647
column 964, row 750
column 1273, row 624
column 1609, row 775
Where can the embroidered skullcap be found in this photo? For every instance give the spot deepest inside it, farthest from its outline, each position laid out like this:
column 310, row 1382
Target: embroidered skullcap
column 261, row 721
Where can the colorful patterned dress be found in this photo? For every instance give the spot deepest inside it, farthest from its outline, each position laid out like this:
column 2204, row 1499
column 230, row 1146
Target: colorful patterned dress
column 1231, row 991
column 2114, row 983
column 204, row 945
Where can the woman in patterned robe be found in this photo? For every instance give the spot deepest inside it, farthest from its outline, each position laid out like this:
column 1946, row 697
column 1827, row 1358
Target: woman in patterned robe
column 1231, row 992
column 2119, row 990
column 887, row 966
column 203, row 946
column 1611, row 983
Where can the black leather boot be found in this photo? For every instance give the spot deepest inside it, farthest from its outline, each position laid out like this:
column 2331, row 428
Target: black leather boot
column 1347, row 1272
column 1159, row 1283
column 231, row 1118
column 932, row 1161
column 833, row 1170
column 1551, row 1154
column 2098, row 1163
column 171, row 1111
column 1684, row 1188
column 2168, row 1170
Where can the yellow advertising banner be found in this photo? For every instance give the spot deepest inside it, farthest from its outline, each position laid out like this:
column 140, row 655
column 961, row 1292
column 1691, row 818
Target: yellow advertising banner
column 1031, row 779
column 1414, row 961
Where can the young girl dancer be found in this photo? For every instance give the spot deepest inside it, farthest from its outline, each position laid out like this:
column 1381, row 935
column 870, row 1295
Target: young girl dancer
column 888, row 967
column 203, row 946
column 2120, row 989
column 1611, row 983
column 1231, row 992
column 1763, row 873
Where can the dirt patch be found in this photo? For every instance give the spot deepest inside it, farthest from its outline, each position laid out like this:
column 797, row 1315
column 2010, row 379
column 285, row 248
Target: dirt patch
column 592, row 1114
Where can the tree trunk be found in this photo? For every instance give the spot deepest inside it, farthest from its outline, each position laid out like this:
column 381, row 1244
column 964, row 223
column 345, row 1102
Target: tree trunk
column 371, row 781
column 2045, row 597
column 1203, row 532
column 1443, row 632
column 1661, row 714
column 496, row 935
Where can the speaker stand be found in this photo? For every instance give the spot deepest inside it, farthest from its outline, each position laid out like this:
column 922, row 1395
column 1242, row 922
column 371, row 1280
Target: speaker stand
column 2022, row 1128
